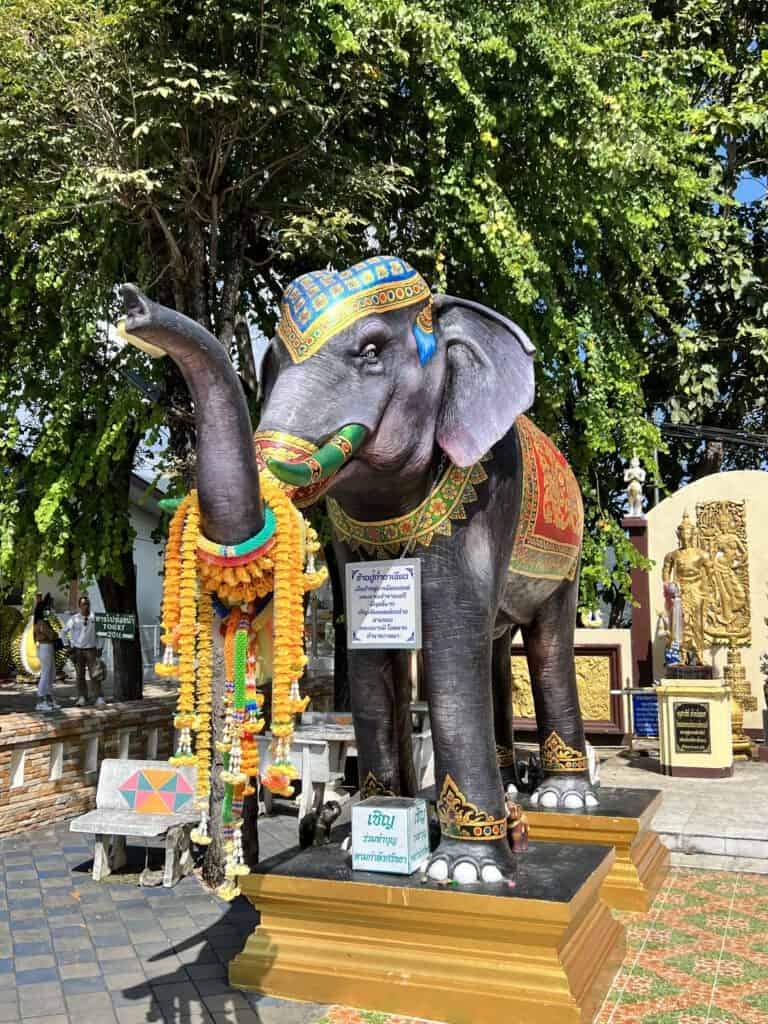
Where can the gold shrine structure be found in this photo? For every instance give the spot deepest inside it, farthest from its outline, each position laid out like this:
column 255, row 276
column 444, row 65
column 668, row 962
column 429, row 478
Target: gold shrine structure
column 707, row 600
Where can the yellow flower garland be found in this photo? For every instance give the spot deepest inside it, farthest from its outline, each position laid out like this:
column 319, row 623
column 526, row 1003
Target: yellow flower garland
column 187, row 619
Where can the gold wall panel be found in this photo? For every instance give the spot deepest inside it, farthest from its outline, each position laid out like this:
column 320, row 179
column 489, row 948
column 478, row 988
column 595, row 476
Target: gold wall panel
column 593, row 679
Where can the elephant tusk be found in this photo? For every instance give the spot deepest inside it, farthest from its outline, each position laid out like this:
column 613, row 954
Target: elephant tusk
column 125, row 335
column 326, row 461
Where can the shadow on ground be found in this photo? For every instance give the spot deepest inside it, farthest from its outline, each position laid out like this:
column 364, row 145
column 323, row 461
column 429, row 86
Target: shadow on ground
column 81, row 951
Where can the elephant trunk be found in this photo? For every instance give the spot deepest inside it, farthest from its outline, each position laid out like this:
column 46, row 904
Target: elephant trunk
column 227, row 475
column 323, row 463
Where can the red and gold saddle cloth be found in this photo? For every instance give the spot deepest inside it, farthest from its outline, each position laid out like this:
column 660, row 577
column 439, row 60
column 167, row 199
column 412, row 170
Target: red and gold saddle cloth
column 548, row 538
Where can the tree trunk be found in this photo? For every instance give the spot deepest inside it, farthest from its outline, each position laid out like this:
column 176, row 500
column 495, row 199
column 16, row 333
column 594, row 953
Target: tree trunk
column 213, row 865
column 120, row 596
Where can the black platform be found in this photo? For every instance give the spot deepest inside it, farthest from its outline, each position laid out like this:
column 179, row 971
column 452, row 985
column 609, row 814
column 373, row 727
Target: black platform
column 553, row 872
column 615, row 802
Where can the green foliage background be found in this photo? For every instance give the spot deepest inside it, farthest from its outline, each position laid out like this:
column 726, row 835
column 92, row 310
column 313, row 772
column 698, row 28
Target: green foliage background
column 573, row 165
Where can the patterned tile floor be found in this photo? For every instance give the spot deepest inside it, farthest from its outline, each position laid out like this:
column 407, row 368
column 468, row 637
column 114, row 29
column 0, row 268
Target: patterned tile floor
column 700, row 954
column 76, row 952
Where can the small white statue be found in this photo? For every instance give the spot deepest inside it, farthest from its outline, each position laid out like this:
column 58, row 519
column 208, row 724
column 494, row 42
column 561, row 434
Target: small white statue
column 634, row 477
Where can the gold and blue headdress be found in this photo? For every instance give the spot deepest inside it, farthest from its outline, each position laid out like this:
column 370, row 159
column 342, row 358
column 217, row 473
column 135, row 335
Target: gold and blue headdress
column 318, row 305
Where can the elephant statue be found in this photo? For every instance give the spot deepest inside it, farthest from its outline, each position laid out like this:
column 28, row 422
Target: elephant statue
column 406, row 409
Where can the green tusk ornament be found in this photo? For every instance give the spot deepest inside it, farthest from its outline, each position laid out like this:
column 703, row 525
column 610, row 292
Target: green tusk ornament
column 326, row 461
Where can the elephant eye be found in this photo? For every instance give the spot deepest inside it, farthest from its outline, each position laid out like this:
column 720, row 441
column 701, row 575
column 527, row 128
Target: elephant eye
column 370, row 353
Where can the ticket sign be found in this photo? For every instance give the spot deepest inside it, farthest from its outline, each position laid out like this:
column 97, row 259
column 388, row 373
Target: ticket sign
column 116, row 625
column 384, row 604
column 692, row 734
column 389, row 834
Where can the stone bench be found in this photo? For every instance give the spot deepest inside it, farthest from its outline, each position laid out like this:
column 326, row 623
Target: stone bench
column 312, row 758
column 149, row 802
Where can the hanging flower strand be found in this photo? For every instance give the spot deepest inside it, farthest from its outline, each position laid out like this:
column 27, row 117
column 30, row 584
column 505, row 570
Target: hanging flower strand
column 262, row 580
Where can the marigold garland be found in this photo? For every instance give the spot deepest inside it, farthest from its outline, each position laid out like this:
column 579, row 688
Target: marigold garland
column 262, row 580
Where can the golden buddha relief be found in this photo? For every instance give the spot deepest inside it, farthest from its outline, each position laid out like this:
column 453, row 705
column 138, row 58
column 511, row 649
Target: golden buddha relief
column 722, row 528
column 706, row 582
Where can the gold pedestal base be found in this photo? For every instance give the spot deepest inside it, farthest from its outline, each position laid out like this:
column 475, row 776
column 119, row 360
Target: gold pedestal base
column 642, row 860
column 445, row 954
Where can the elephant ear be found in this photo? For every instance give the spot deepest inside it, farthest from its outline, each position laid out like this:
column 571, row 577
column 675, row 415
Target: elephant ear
column 489, row 377
column 267, row 365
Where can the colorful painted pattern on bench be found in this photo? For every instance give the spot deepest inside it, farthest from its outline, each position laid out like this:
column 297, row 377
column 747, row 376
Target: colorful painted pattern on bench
column 156, row 791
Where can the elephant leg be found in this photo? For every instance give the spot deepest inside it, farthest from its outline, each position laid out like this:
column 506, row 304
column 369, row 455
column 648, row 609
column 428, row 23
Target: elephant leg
column 470, row 798
column 401, row 674
column 501, row 675
column 374, row 684
column 549, row 647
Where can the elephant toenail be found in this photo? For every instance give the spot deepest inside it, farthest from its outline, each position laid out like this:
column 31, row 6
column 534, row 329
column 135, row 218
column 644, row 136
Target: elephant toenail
column 491, row 873
column 512, row 789
column 573, row 801
column 438, row 870
column 592, row 801
column 535, row 797
column 465, row 873
column 549, row 799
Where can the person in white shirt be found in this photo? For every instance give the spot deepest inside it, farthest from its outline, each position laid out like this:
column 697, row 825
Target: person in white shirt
column 80, row 635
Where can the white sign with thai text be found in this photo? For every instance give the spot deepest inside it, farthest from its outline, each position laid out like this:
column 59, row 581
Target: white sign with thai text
column 384, row 604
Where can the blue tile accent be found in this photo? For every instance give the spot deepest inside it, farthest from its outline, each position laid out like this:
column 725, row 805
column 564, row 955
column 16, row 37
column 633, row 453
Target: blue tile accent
column 67, row 930
column 6, row 965
column 79, row 986
column 76, row 956
column 37, row 976
column 31, row 948
column 25, row 902
column 35, row 924
column 115, row 938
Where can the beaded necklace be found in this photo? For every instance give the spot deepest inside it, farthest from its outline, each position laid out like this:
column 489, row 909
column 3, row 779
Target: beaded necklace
column 434, row 515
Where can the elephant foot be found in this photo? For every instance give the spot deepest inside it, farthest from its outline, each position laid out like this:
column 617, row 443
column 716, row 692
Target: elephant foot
column 564, row 794
column 469, row 863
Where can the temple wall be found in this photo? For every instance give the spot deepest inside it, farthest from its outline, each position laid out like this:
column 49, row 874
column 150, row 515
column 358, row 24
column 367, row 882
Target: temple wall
column 663, row 520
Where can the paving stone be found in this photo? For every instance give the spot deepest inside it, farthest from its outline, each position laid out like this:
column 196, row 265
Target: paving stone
column 76, row 956
column 36, row 976
column 8, row 988
column 91, row 970
column 9, row 1011
column 125, row 963
column 212, row 987
column 117, row 937
column 92, row 1006
column 79, row 986
column 57, row 1018
column 41, row 1006
column 283, row 1011
column 114, row 952
column 226, row 1002
column 80, row 941
column 179, row 991
column 31, row 948
column 199, row 971
column 137, row 1014
column 117, row 982
column 67, row 930
column 30, row 963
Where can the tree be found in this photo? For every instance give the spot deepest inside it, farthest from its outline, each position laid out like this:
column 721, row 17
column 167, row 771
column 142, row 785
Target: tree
column 551, row 161
column 711, row 369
